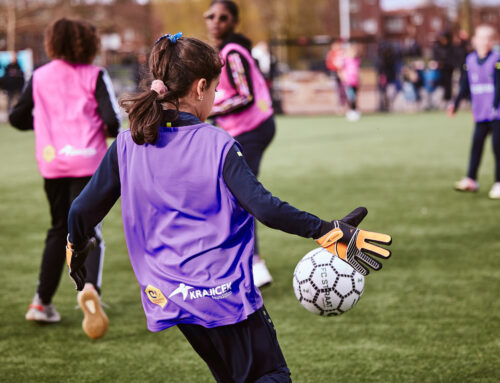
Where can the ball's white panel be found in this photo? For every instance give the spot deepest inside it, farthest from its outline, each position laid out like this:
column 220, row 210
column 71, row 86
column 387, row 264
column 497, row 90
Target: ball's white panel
column 344, row 285
column 359, row 282
column 296, row 288
column 323, row 257
column 349, row 302
column 303, row 270
column 307, row 290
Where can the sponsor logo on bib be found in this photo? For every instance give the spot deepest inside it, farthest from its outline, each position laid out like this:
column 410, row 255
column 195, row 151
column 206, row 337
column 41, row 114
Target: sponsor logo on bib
column 156, row 296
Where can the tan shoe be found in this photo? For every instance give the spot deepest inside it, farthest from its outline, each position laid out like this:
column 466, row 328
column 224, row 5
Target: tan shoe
column 95, row 322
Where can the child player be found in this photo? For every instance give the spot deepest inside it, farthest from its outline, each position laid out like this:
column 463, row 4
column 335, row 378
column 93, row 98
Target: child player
column 187, row 198
column 242, row 105
column 71, row 106
column 481, row 79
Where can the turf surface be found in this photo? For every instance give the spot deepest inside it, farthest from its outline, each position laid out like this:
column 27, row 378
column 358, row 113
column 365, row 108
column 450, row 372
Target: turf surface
column 431, row 315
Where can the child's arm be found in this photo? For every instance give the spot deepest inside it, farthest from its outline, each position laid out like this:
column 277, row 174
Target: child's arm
column 107, row 104
column 21, row 116
column 95, row 200
column 259, row 202
column 239, row 74
column 463, row 92
column 340, row 237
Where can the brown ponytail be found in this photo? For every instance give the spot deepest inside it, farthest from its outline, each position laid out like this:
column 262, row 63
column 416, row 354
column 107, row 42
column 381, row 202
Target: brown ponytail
column 178, row 64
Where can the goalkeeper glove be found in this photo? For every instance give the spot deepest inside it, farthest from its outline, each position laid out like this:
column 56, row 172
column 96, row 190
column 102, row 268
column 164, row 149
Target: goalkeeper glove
column 75, row 258
column 354, row 245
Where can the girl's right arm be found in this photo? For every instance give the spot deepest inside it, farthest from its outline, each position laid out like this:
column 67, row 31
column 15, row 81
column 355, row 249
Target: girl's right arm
column 96, row 199
column 107, row 104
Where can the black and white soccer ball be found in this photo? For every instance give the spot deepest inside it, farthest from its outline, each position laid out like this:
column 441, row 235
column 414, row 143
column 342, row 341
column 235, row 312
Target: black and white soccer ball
column 325, row 284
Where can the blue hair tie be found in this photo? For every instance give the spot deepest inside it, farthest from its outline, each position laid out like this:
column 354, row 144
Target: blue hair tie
column 172, row 38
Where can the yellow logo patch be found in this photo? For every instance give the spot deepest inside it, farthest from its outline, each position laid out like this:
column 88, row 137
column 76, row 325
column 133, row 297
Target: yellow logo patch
column 48, row 153
column 262, row 105
column 156, row 296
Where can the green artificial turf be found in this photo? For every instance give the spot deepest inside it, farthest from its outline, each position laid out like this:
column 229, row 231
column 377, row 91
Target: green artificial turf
column 431, row 315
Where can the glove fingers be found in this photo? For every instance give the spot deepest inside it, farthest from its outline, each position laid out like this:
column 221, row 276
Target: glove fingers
column 376, row 250
column 359, row 267
column 371, row 236
column 373, row 263
column 355, row 217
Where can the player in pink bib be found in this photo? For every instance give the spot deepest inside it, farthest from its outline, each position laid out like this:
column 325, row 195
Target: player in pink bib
column 242, row 105
column 71, row 106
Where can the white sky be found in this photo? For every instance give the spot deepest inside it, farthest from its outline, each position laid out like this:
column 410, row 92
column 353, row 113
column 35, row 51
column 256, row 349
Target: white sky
column 396, row 4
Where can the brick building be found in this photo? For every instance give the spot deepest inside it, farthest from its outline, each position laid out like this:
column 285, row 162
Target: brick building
column 366, row 18
column 422, row 24
column 486, row 15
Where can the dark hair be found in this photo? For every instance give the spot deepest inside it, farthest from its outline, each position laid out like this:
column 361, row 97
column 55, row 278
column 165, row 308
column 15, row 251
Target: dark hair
column 178, row 65
column 231, row 7
column 75, row 41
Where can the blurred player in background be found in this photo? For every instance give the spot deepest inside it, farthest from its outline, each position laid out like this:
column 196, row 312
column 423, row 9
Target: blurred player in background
column 188, row 197
column 13, row 81
column 243, row 105
column 71, row 106
column 349, row 75
column 481, row 80
column 333, row 62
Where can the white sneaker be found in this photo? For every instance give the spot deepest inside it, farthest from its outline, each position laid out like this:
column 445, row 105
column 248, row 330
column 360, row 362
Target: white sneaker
column 261, row 275
column 39, row 312
column 467, row 184
column 353, row 115
column 95, row 323
column 495, row 191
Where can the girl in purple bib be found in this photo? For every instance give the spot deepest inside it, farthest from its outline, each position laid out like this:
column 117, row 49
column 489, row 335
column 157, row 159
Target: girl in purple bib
column 481, row 81
column 188, row 201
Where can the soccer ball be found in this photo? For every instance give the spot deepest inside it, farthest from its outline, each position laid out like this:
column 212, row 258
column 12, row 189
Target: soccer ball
column 325, row 284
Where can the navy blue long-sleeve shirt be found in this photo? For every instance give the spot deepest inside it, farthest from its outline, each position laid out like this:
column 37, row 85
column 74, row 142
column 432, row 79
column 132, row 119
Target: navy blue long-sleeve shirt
column 103, row 190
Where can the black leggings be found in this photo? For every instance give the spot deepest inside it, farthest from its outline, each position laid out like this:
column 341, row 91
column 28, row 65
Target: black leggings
column 60, row 193
column 253, row 144
column 245, row 352
column 479, row 137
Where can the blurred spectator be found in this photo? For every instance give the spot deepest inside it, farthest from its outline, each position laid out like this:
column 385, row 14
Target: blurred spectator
column 431, row 80
column 262, row 56
column 443, row 53
column 388, row 66
column 462, row 48
column 13, row 81
column 139, row 68
column 334, row 62
column 412, row 83
column 268, row 66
